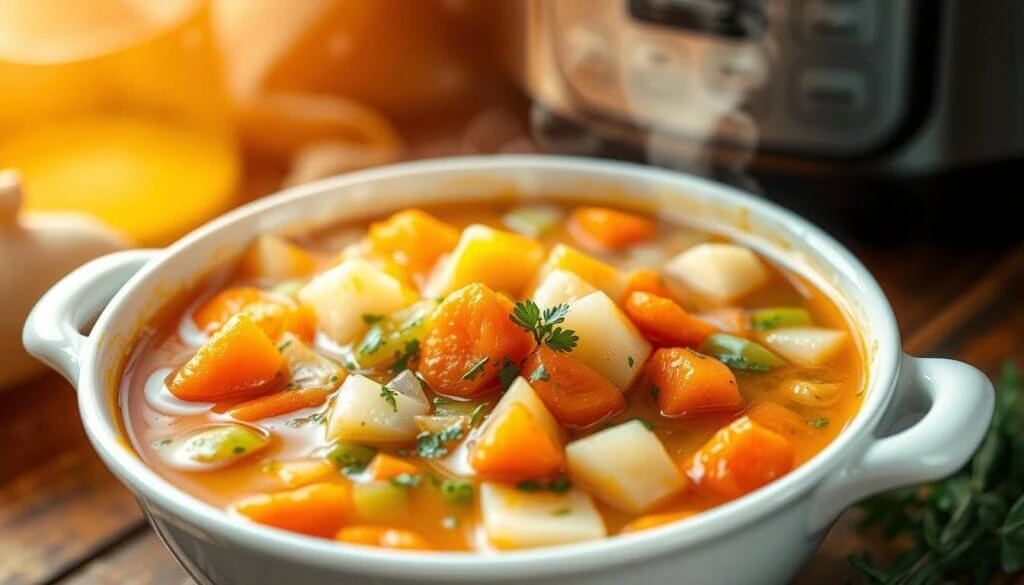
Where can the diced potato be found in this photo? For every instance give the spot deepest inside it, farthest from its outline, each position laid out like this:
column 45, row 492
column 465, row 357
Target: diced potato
column 364, row 411
column 520, row 392
column 219, row 446
column 343, row 294
column 603, row 276
column 501, row 260
column 609, row 342
column 720, row 272
column 806, row 346
column 533, row 220
column 309, row 369
column 626, row 466
column 517, row 519
column 560, row 286
column 275, row 258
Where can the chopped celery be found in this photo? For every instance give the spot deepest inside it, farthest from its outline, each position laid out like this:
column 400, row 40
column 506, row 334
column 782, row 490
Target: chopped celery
column 308, row 368
column 394, row 340
column 438, row 423
column 350, row 457
column 222, row 444
column 763, row 319
column 380, row 500
column 453, row 408
column 533, row 220
column 739, row 353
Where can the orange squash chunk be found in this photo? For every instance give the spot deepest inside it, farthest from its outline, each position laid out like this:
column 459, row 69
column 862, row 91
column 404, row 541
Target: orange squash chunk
column 237, row 362
column 383, row 537
column 317, row 510
column 740, row 458
column 384, row 467
column 468, row 338
column 274, row 314
column 515, row 447
column 664, row 322
column 609, row 229
column 413, row 239
column 688, row 382
column 576, row 395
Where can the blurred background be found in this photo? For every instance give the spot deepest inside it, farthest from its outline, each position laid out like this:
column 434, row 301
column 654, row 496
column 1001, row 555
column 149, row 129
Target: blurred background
column 895, row 124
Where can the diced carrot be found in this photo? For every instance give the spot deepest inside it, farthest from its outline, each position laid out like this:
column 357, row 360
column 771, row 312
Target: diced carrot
column 576, row 395
column 238, row 361
column 280, row 403
column 780, row 419
column 274, row 314
column 609, row 229
column 646, row 280
column 515, row 447
column 384, row 467
column 740, row 458
column 687, row 382
column 468, row 338
column 664, row 322
column 317, row 510
column 383, row 537
column 655, row 520
column 414, row 240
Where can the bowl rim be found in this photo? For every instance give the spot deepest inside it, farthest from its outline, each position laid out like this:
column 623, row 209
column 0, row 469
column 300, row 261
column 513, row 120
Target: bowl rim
column 585, row 557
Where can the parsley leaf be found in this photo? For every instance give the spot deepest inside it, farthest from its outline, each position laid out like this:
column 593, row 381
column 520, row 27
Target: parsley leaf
column 389, row 395
column 475, row 369
column 370, row 319
column 508, row 373
column 655, row 391
column 559, row 485
column 432, row 445
column 456, row 491
column 528, row 316
column 402, row 358
column 540, row 374
column 629, row 360
column 561, row 512
column 477, row 414
column 372, row 341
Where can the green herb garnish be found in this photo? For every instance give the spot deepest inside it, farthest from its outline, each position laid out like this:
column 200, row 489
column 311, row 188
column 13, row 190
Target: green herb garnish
column 432, row 445
column 372, row 341
column 475, row 369
column 402, row 358
column 966, row 528
column 655, row 391
column 819, row 422
column 284, row 346
column 389, row 395
column 629, row 360
column 542, row 324
column 370, row 319
column 406, row 480
column 508, row 373
column 540, row 374
column 456, row 491
column 478, row 413
column 561, row 512
column 559, row 485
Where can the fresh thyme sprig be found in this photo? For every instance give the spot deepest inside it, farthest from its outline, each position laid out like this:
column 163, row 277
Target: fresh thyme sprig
column 966, row 528
column 543, row 324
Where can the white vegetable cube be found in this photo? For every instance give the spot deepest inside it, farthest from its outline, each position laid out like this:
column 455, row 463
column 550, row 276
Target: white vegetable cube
column 364, row 411
column 342, row 295
column 518, row 519
column 609, row 342
column 503, row 261
column 626, row 466
column 560, row 286
column 520, row 392
column 806, row 346
column 720, row 272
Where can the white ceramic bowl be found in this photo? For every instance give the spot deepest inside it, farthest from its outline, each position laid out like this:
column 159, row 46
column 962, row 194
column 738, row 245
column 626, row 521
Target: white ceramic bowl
column 760, row 538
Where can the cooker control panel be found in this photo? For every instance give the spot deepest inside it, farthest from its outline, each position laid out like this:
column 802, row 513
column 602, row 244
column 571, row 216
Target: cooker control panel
column 825, row 76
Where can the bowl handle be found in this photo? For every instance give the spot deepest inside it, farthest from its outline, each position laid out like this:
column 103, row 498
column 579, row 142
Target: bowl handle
column 52, row 331
column 957, row 401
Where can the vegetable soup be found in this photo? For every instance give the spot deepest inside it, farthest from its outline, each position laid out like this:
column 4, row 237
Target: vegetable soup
column 505, row 376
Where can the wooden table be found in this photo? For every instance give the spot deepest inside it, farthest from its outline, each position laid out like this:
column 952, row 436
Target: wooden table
column 64, row 519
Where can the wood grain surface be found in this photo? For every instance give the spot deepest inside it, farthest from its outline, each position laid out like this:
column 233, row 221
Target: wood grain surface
column 64, row 519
